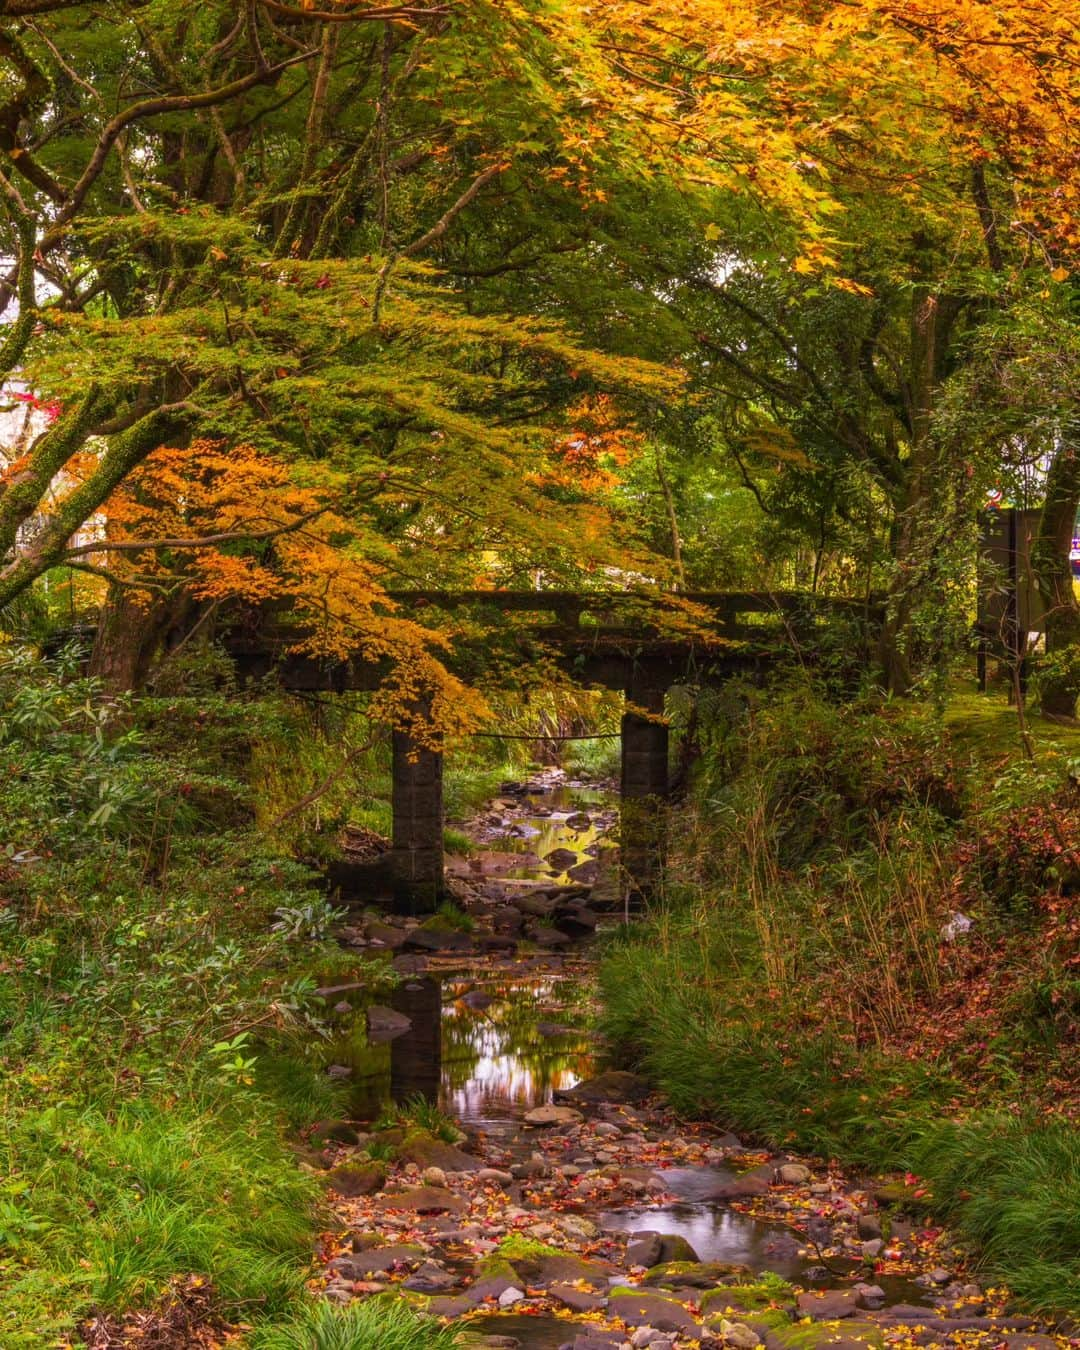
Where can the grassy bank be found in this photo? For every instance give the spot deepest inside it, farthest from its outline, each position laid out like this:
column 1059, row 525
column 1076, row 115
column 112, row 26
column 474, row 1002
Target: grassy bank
column 162, row 1038
column 868, row 950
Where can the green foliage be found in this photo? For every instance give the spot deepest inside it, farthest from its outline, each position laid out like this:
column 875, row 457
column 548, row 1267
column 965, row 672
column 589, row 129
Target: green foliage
column 374, row 1324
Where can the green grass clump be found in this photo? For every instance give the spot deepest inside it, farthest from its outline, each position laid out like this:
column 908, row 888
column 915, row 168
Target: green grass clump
column 418, row 1114
column 375, row 1324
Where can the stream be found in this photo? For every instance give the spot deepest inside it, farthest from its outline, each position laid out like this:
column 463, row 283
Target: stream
column 554, row 1219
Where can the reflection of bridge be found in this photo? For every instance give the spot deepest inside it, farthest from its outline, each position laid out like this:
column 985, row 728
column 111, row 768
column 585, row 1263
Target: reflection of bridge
column 639, row 643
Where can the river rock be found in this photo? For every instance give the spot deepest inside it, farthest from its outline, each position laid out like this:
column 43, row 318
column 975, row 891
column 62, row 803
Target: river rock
column 543, row 1116
column 510, row 1296
column 576, row 920
column 387, row 935
column 377, row 1260
column 547, row 938
column 559, row 859
column 424, row 1200
column 430, row 1279
column 870, row 1296
column 793, row 1174
column 639, row 1310
column 742, row 1188
column 698, row 1274
column 537, row 905
column 578, row 1300
column 828, row 1305
column 426, row 1151
column 494, row 1174
column 579, row 821
column 868, row 1226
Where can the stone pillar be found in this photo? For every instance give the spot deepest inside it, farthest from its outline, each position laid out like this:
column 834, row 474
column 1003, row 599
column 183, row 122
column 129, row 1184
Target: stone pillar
column 644, row 786
column 417, row 799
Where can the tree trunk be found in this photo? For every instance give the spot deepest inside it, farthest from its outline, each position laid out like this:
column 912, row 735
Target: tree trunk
column 129, row 637
column 1053, row 574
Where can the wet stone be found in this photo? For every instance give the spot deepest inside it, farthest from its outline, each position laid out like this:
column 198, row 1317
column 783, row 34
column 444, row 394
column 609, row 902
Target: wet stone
column 579, row 1300
column 827, row 1305
column 638, row 1310
column 424, row 1200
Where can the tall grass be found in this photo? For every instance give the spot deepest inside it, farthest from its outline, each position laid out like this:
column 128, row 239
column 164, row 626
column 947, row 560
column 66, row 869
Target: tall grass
column 375, row 1324
column 785, row 983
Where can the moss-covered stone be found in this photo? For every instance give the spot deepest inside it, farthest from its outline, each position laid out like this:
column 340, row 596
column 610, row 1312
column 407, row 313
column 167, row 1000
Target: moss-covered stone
column 748, row 1297
column 696, row 1274
column 353, row 1179
column 845, row 1335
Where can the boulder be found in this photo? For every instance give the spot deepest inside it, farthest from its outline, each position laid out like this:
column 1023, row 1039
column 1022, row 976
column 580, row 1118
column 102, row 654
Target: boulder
column 643, row 1249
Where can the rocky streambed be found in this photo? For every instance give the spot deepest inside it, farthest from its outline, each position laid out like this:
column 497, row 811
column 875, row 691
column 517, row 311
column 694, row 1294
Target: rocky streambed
column 567, row 1206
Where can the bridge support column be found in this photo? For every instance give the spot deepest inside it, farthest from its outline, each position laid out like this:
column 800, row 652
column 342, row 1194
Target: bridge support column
column 644, row 785
column 417, row 800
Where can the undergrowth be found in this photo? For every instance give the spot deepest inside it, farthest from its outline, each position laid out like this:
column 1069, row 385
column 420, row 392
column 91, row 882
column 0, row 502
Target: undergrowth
column 867, row 948
column 160, row 1028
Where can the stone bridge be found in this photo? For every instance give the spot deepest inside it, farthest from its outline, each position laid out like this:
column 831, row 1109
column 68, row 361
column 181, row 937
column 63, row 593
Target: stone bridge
column 626, row 641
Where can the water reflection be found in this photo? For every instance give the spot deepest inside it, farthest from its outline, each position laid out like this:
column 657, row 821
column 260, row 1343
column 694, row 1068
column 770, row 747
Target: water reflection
column 416, row 1056
column 480, row 1063
column 717, row 1233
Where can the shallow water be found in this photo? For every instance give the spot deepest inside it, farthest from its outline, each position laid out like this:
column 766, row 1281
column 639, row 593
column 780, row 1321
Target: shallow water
column 717, row 1233
column 539, row 835
column 480, row 1064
